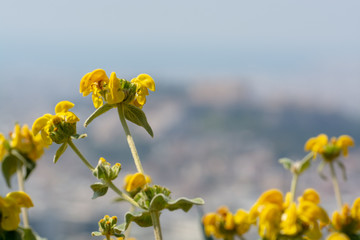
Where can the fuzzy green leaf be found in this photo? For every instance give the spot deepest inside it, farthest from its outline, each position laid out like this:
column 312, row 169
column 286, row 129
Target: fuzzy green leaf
column 160, row 202
column 103, row 109
column 99, row 189
column 96, row 234
column 286, row 162
column 9, row 167
column 143, row 219
column 27, row 162
column 29, row 235
column 137, row 116
column 60, row 151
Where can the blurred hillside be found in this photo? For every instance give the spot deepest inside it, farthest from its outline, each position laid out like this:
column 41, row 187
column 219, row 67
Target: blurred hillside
column 218, row 140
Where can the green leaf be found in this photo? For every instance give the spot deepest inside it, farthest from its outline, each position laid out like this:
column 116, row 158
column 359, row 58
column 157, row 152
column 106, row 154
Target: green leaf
column 103, row 109
column 96, row 234
column 60, row 151
column 13, row 235
column 99, row 189
column 160, row 202
column 29, row 164
column 9, row 167
column 143, row 219
column 286, row 162
column 304, row 164
column 137, row 116
column 79, row 136
column 29, row 235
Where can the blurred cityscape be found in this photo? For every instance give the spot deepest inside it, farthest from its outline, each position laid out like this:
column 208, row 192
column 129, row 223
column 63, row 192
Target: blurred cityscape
column 218, row 140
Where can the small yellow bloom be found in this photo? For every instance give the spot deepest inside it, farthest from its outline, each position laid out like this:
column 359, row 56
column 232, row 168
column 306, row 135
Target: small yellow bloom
column 58, row 127
column 135, row 181
column 10, row 209
column 348, row 219
column 143, row 82
column 115, row 95
column 337, row 236
column 2, row 147
column 23, row 140
column 329, row 149
column 289, row 221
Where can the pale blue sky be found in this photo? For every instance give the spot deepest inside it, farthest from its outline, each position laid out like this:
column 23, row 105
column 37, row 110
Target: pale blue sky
column 274, row 43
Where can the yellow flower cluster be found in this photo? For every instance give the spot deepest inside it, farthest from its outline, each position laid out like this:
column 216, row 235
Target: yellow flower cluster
column 24, row 142
column 348, row 220
column 10, row 206
column 58, row 127
column 277, row 217
column 114, row 90
column 329, row 150
column 224, row 224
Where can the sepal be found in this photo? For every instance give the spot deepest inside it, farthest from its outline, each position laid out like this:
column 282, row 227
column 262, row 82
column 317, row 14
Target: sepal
column 60, row 151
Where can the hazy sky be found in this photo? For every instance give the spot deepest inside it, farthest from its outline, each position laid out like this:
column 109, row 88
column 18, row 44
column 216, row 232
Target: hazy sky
column 292, row 44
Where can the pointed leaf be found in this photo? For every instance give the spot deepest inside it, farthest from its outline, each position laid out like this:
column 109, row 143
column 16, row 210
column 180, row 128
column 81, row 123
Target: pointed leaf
column 160, row 202
column 286, row 162
column 304, row 164
column 137, row 116
column 103, row 109
column 60, row 151
column 343, row 169
column 96, row 234
column 99, row 189
column 28, row 234
column 143, row 219
column 320, row 170
column 9, row 167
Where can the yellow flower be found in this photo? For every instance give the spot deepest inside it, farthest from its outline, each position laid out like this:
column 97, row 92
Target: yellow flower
column 58, row 127
column 23, row 140
column 289, row 223
column 337, row 236
column 349, row 219
column 2, row 147
column 135, row 181
column 329, row 150
column 94, row 82
column 223, row 224
column 143, row 82
column 10, row 209
column 115, row 95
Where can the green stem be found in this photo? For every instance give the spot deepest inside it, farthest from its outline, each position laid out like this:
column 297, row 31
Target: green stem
column 129, row 138
column 20, row 178
column 76, row 150
column 294, row 182
column 336, row 186
column 155, row 217
column 121, row 194
column 109, row 183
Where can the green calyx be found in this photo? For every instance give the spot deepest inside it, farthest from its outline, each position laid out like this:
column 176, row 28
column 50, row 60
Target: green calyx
column 104, row 170
column 62, row 131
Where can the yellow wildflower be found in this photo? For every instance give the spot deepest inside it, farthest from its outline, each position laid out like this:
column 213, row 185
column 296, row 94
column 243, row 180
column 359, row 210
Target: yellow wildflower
column 349, row 219
column 58, row 127
column 329, row 150
column 2, row 147
column 337, row 236
column 94, row 82
column 115, row 94
column 23, row 140
column 143, row 82
column 224, row 224
column 10, row 209
column 135, row 181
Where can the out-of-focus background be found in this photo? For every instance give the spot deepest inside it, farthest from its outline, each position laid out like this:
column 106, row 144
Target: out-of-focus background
column 240, row 84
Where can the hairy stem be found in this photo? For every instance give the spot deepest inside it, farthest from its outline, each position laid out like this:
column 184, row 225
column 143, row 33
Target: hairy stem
column 129, row 138
column 20, row 178
column 336, row 186
column 83, row 159
column 121, row 194
column 155, row 217
column 294, row 182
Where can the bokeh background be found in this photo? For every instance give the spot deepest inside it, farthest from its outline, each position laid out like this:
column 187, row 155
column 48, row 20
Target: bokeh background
column 240, row 84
